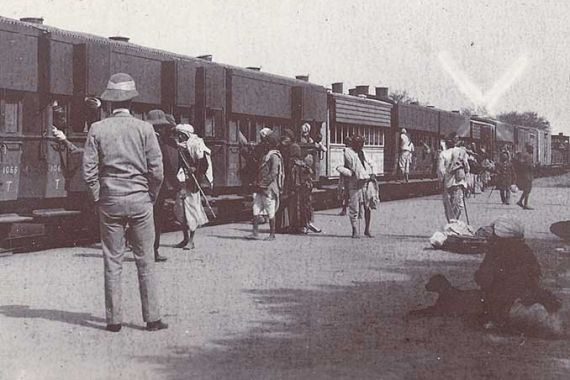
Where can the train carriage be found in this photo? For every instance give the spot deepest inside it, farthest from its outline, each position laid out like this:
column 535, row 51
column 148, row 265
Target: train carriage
column 42, row 67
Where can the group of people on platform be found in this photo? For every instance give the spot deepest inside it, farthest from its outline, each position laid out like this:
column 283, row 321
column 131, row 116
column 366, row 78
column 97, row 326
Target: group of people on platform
column 186, row 166
column 459, row 168
column 281, row 180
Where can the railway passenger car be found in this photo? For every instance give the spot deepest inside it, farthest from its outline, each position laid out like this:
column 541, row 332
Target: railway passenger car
column 356, row 114
column 42, row 66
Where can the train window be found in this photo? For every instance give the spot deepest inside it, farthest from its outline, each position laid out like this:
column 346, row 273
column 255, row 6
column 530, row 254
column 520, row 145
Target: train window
column 183, row 115
column 233, row 131
column 209, row 126
column 10, row 115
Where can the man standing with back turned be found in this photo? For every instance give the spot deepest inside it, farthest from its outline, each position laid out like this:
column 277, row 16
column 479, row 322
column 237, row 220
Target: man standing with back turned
column 122, row 166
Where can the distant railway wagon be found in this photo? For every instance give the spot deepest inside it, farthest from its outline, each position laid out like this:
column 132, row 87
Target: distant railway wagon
column 426, row 126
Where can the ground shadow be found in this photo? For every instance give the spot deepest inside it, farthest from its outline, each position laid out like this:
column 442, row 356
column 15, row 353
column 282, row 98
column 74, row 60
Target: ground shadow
column 362, row 332
column 79, row 319
column 100, row 256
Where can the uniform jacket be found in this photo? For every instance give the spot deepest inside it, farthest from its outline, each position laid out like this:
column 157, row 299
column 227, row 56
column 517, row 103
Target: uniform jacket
column 122, row 157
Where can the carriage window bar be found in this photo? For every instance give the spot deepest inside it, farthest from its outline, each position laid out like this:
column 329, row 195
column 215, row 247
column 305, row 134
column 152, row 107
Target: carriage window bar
column 250, row 127
column 373, row 136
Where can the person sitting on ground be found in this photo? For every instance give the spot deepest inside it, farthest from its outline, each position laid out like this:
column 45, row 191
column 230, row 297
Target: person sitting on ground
column 510, row 271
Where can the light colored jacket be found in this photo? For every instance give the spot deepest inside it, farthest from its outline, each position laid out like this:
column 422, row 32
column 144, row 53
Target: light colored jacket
column 450, row 162
column 122, row 157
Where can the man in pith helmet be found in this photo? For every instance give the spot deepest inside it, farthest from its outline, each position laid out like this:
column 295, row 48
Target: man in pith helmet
column 122, row 166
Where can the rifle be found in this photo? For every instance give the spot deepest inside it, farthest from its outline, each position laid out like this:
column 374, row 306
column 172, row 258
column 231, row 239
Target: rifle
column 187, row 165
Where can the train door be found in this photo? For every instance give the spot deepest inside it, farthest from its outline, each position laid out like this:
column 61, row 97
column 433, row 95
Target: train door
column 11, row 111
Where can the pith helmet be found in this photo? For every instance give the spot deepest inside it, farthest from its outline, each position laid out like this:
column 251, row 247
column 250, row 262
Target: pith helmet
column 121, row 87
column 157, row 117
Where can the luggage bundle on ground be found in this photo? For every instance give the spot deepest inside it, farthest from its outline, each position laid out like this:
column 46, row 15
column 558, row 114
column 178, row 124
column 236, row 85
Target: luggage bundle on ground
column 459, row 237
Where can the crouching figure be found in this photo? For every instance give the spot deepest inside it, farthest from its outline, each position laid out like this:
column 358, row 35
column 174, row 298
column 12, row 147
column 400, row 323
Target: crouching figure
column 510, row 272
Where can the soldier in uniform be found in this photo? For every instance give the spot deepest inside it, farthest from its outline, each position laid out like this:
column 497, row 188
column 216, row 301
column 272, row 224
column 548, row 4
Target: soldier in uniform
column 122, row 166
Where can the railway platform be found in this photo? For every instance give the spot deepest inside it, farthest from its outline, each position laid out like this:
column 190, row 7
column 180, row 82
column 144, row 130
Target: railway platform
column 319, row 306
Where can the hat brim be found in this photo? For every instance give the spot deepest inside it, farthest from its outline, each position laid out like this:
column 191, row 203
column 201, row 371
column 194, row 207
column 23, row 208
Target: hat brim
column 159, row 122
column 110, row 95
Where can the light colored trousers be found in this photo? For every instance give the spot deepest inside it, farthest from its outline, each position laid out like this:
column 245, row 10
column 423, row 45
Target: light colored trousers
column 116, row 213
column 453, row 202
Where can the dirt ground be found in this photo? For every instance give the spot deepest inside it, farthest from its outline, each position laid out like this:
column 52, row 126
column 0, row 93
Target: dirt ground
column 320, row 306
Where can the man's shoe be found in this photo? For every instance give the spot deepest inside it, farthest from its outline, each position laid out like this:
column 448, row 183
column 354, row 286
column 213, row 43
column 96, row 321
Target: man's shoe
column 527, row 208
column 182, row 244
column 156, row 325
column 114, row 328
column 159, row 259
column 313, row 228
column 520, row 205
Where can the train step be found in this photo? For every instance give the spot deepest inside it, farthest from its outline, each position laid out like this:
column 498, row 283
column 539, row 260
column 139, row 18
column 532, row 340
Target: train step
column 55, row 213
column 14, row 218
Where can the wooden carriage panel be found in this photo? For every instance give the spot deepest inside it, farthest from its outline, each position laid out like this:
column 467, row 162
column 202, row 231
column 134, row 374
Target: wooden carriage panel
column 146, row 73
column 260, row 96
column 18, row 61
column 61, row 68
column 98, row 68
column 215, row 87
column 313, row 103
column 185, row 83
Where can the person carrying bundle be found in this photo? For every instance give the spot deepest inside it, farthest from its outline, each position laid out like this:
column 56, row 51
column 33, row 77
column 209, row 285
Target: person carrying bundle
column 361, row 184
column 196, row 165
column 452, row 170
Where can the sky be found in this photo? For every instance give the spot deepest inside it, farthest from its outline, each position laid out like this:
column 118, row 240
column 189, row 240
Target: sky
column 510, row 55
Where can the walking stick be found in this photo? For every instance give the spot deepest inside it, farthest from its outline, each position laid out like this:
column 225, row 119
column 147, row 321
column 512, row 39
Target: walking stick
column 465, row 207
column 491, row 193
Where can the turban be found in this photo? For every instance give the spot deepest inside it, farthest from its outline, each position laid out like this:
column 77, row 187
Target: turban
column 187, row 129
column 265, row 132
column 507, row 227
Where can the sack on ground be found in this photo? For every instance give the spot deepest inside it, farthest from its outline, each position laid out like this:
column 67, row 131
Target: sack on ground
column 437, row 239
column 458, row 228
